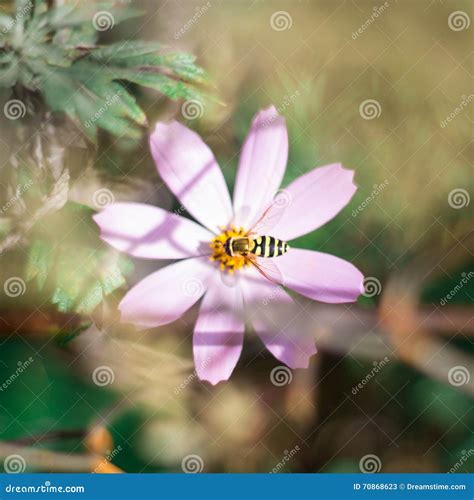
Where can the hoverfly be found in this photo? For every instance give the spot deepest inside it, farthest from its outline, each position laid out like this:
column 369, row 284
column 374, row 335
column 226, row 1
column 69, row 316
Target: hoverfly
column 252, row 247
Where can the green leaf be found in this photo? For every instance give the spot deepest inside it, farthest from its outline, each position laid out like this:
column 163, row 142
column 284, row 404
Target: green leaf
column 39, row 262
column 79, row 271
column 125, row 50
column 90, row 85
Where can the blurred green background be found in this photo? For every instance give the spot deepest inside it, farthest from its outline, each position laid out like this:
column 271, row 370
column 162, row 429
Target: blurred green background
column 412, row 238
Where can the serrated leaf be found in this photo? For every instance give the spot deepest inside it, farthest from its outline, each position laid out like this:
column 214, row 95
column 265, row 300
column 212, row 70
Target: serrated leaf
column 125, row 50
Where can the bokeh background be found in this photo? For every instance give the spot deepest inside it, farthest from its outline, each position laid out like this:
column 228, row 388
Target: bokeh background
column 387, row 90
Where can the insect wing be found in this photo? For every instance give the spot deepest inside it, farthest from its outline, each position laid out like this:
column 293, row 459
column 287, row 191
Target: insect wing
column 271, row 215
column 268, row 269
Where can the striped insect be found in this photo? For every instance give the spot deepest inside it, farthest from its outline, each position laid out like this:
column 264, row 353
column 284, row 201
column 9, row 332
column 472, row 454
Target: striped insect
column 253, row 246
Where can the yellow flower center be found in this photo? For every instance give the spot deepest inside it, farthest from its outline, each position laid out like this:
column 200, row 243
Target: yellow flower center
column 219, row 255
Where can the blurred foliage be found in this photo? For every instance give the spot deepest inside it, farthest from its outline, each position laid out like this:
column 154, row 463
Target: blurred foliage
column 318, row 76
column 55, row 52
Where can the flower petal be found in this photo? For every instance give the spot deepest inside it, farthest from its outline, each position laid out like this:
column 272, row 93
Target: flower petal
column 279, row 321
column 219, row 332
column 313, row 199
column 320, row 276
column 261, row 167
column 190, row 170
column 165, row 295
column 151, row 232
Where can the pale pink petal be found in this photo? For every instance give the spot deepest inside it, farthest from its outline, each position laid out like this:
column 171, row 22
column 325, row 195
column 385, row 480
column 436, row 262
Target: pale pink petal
column 219, row 332
column 313, row 199
column 261, row 167
column 151, row 232
column 190, row 170
column 165, row 295
column 279, row 321
column 320, row 276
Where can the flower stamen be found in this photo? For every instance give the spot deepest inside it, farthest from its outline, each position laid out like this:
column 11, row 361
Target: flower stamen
column 226, row 262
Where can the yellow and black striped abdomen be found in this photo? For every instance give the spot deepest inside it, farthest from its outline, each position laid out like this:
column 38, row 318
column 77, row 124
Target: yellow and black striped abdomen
column 268, row 246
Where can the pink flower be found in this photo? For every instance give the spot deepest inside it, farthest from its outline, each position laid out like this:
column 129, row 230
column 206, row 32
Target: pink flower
column 191, row 172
